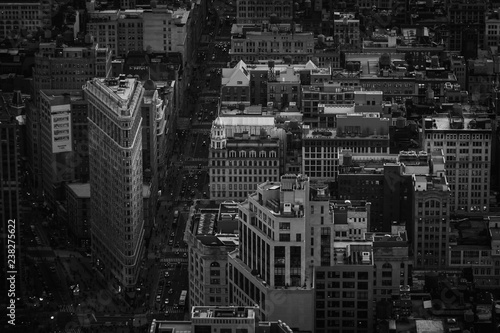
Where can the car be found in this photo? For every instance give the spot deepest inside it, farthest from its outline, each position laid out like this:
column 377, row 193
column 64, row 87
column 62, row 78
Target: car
column 166, row 300
column 53, row 269
column 184, row 255
column 167, row 274
column 176, row 213
column 170, row 242
column 167, row 313
column 170, row 291
column 169, row 283
column 172, row 234
column 158, row 298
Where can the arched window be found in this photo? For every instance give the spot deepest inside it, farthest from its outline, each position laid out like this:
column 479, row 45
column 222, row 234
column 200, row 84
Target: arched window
column 232, row 153
column 243, row 153
column 262, row 154
column 272, row 154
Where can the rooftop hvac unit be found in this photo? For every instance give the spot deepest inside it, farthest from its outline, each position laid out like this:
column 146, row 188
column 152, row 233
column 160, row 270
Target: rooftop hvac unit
column 287, row 207
column 365, row 257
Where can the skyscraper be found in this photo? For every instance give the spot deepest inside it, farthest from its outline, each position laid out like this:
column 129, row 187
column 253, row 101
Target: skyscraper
column 116, row 184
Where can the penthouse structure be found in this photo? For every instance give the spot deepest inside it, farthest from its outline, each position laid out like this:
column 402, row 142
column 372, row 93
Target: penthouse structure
column 273, row 255
column 466, row 141
column 322, row 103
column 116, row 178
column 210, row 237
column 246, row 149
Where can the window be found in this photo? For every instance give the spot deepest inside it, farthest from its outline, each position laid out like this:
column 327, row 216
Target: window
column 284, row 237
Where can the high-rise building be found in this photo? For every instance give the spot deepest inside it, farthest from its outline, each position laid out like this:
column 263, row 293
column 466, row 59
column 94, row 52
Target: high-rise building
column 245, row 150
column 63, row 140
column 466, row 141
column 392, row 262
column 63, row 67
column 431, row 212
column 116, row 177
column 271, row 266
column 210, row 237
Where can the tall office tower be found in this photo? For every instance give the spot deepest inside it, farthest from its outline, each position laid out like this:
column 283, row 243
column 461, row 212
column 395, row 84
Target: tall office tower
column 430, row 230
column 245, row 150
column 116, row 186
column 63, row 67
column 466, row 141
column 271, row 267
column 342, row 260
column 63, row 141
column 210, row 237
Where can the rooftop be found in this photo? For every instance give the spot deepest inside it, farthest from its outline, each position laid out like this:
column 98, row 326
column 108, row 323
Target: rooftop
column 219, row 240
column 223, row 312
column 429, row 326
column 455, row 120
column 58, row 97
column 81, row 190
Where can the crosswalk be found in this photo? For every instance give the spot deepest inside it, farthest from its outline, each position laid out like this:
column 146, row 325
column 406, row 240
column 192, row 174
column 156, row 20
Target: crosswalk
column 66, row 308
column 174, row 260
column 172, row 309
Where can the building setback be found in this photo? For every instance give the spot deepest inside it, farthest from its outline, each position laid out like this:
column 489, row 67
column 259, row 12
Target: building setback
column 116, row 186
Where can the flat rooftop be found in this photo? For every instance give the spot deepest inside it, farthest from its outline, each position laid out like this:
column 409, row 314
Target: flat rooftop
column 122, row 87
column 81, row 190
column 222, row 312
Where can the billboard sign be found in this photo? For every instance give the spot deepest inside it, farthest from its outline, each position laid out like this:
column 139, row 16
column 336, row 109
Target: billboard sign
column 61, row 128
